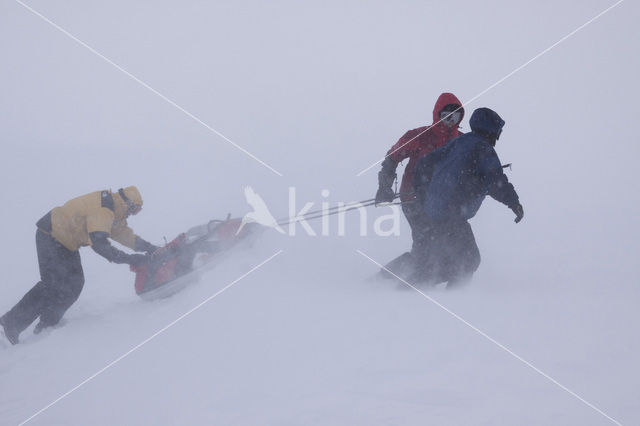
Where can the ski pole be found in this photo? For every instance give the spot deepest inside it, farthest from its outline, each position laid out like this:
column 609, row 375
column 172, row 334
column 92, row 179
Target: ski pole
column 340, row 209
column 335, row 208
column 328, row 212
column 366, row 203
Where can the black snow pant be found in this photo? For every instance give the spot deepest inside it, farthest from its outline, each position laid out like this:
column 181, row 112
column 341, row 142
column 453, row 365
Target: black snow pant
column 420, row 227
column 405, row 265
column 450, row 255
column 61, row 281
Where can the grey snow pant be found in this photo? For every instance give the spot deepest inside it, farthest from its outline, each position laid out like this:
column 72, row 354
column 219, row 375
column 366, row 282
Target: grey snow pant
column 61, row 281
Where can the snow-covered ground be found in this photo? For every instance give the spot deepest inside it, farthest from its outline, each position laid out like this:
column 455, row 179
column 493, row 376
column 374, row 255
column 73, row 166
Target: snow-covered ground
column 319, row 92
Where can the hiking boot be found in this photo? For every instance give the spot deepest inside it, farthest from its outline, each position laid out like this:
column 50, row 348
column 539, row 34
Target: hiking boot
column 11, row 333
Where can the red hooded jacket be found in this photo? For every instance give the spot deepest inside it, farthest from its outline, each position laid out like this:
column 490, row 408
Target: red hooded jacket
column 417, row 143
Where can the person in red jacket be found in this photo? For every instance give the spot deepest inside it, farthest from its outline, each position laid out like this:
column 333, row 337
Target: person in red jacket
column 415, row 144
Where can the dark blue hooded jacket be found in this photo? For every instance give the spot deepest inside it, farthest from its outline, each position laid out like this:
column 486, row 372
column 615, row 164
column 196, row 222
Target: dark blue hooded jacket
column 453, row 180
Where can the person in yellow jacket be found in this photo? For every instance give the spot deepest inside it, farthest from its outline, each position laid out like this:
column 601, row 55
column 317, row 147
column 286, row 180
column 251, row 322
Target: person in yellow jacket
column 88, row 220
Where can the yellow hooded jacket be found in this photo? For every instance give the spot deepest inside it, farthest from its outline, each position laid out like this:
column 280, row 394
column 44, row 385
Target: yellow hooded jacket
column 100, row 211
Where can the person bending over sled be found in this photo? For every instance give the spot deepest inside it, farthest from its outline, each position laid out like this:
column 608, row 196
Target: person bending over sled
column 451, row 184
column 90, row 219
column 415, row 144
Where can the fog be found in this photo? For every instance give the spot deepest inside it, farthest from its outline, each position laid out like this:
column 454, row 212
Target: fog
column 319, row 92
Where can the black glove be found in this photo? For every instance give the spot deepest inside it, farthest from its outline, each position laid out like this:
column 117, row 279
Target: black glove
column 136, row 259
column 386, row 176
column 519, row 211
column 145, row 246
column 151, row 249
column 385, row 195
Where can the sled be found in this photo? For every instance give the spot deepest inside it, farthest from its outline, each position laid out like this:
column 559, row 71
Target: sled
column 177, row 264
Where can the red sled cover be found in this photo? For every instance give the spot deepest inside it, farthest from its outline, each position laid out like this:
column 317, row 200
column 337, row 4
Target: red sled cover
column 153, row 275
column 177, row 257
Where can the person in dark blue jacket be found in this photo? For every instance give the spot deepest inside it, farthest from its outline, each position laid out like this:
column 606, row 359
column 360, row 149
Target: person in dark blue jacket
column 451, row 183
